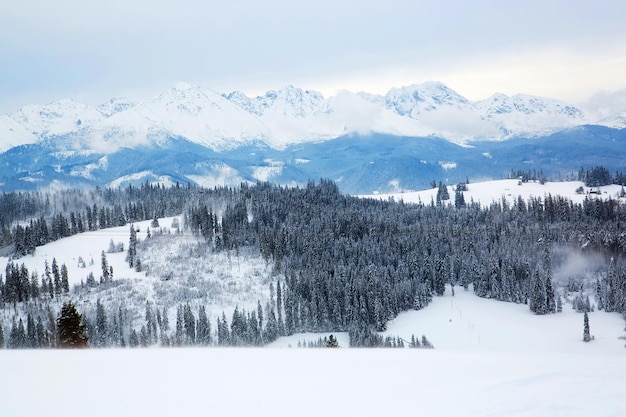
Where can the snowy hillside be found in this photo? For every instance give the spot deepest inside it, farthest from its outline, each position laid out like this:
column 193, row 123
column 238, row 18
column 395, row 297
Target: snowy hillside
column 230, row 280
column 489, row 191
column 199, row 115
column 56, row 118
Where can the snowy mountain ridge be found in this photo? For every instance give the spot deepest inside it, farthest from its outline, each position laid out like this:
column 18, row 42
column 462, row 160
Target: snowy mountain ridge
column 287, row 116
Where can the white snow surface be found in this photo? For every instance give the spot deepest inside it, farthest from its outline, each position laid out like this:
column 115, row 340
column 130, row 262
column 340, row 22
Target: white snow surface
column 490, row 359
column 487, row 192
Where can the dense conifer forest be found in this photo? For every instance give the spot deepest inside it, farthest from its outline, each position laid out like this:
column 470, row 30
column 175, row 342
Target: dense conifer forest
column 340, row 263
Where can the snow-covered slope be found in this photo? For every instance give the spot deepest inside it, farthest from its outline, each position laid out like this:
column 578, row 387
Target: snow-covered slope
column 57, row 118
column 292, row 115
column 115, row 105
column 614, row 121
column 487, row 192
column 14, row 134
column 523, row 114
column 197, row 114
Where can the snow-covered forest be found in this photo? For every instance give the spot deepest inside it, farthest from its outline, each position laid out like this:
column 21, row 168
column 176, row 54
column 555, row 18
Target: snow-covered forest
column 245, row 266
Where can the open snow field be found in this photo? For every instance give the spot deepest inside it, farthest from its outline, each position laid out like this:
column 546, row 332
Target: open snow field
column 89, row 246
column 490, row 359
column 233, row 279
column 488, row 191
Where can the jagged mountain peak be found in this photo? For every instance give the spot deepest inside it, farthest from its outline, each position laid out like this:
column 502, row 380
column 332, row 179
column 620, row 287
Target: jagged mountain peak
column 56, row 118
column 289, row 101
column 528, row 114
column 182, row 86
column 197, row 114
column 415, row 99
column 115, row 105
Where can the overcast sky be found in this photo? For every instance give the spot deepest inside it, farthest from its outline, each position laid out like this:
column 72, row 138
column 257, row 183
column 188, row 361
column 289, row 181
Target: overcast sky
column 95, row 50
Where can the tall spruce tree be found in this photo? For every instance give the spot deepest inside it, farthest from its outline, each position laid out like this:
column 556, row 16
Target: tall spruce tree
column 586, row 332
column 101, row 325
column 71, row 328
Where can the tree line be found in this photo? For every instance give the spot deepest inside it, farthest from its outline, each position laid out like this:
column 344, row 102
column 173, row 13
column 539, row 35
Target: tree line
column 350, row 264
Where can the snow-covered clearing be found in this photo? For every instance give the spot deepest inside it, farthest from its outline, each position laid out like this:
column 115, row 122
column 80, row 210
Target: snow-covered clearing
column 175, row 268
column 465, row 322
column 491, row 359
column 489, row 191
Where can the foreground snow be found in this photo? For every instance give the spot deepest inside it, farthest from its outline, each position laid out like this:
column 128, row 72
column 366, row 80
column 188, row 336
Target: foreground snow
column 490, row 358
column 309, row 382
column 465, row 322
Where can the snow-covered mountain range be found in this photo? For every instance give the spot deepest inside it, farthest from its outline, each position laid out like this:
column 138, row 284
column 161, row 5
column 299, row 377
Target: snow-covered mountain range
column 408, row 136
column 290, row 115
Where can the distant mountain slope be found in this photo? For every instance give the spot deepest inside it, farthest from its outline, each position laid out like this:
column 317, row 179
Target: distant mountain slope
column 366, row 142
column 360, row 164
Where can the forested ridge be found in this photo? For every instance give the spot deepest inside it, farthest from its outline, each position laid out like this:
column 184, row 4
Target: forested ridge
column 340, row 263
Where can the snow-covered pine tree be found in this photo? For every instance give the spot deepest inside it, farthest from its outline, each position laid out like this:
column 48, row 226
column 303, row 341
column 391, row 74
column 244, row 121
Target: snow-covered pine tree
column 332, row 342
column 57, row 277
column 586, row 332
column 132, row 247
column 204, row 327
column 537, row 301
column 65, row 283
column 104, row 278
column 101, row 325
column 155, row 221
column 71, row 327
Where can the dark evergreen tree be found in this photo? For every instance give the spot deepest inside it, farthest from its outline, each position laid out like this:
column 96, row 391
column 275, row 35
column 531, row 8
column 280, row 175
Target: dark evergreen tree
column 104, row 263
column 204, row 327
column 58, row 289
column 17, row 337
column 134, row 339
column 71, row 327
column 132, row 247
column 155, row 221
column 34, row 286
column 189, row 325
column 65, row 283
column 442, row 193
column 586, row 333
column 102, row 333
column 279, row 309
column 459, row 199
column 43, row 337
column 151, row 325
column 180, row 326
column 332, row 342
column 31, row 332
column 537, row 301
